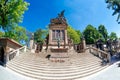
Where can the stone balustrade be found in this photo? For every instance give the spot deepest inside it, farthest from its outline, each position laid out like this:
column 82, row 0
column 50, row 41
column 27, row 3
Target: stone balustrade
column 101, row 54
column 16, row 52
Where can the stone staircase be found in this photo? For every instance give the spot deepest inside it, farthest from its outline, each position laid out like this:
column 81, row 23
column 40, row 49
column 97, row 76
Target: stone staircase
column 38, row 67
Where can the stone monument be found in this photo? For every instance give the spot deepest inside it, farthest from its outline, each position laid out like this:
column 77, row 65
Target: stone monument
column 32, row 44
column 58, row 40
column 58, row 30
column 84, row 43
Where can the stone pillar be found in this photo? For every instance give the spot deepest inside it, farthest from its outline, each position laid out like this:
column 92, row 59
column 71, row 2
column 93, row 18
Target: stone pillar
column 18, row 52
column 109, row 57
column 31, row 44
column 6, row 59
column 50, row 36
column 65, row 38
column 35, row 47
column 84, row 44
column 5, row 55
column 25, row 48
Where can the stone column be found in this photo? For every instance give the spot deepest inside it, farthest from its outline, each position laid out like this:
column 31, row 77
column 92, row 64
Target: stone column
column 50, row 36
column 5, row 56
column 65, row 36
column 84, row 44
column 18, row 52
column 31, row 43
column 60, row 34
column 25, row 48
column 35, row 47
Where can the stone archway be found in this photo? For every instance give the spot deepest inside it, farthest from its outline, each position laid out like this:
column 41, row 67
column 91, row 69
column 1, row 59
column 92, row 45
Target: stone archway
column 1, row 54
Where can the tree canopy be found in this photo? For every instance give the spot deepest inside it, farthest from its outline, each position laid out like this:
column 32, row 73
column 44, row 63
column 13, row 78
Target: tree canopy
column 114, row 5
column 17, row 33
column 40, row 35
column 103, row 31
column 91, row 34
column 11, row 12
column 75, row 35
column 113, row 35
column 1, row 34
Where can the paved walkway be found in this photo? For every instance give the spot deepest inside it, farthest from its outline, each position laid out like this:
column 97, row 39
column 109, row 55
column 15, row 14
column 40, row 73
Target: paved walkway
column 110, row 73
column 6, row 74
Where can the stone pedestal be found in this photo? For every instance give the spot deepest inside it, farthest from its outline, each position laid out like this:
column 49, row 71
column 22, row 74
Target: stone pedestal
column 84, row 44
column 31, row 46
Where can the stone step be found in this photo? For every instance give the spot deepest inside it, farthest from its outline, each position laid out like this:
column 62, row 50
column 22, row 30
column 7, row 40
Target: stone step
column 38, row 67
column 38, row 55
column 41, row 54
column 58, row 78
column 48, row 61
column 56, row 66
column 73, row 68
column 54, row 74
column 45, row 60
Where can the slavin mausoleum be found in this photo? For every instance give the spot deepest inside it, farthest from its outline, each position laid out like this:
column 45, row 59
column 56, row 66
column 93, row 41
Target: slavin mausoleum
column 58, row 32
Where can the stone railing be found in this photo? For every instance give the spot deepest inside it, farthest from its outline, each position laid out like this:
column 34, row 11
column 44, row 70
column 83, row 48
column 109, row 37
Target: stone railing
column 99, row 53
column 16, row 52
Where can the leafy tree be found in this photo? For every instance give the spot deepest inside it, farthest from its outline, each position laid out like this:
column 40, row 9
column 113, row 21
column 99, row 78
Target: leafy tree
column 103, row 32
column 79, row 33
column 114, row 5
column 74, row 34
column 91, row 34
column 40, row 35
column 1, row 34
column 113, row 35
column 11, row 12
column 17, row 33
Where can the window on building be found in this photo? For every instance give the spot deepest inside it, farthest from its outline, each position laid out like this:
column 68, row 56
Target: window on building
column 58, row 34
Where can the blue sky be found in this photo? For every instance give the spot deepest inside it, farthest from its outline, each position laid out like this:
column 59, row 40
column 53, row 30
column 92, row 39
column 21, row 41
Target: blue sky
column 79, row 13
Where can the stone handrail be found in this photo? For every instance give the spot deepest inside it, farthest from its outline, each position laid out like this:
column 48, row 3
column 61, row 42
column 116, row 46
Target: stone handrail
column 101, row 54
column 16, row 52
